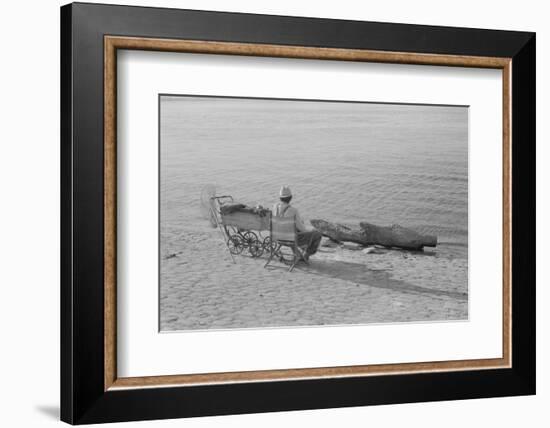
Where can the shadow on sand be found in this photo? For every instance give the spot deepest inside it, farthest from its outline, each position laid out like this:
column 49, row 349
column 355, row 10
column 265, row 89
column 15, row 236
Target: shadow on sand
column 359, row 273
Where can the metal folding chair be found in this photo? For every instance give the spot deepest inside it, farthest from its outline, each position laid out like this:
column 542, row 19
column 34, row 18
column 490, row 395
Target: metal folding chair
column 283, row 233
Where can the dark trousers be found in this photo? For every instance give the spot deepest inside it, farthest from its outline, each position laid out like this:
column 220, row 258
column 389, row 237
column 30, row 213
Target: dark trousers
column 311, row 240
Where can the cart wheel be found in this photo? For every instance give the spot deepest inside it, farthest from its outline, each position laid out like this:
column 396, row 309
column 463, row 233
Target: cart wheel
column 256, row 248
column 249, row 238
column 235, row 244
column 267, row 244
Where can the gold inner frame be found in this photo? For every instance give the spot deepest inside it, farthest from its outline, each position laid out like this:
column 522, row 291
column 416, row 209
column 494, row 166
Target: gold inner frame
column 113, row 43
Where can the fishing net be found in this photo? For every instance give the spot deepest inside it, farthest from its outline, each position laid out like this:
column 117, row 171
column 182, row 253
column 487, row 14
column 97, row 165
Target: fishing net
column 207, row 204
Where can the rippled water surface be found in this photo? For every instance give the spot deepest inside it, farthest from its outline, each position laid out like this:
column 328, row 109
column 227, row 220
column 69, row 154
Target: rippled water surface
column 345, row 162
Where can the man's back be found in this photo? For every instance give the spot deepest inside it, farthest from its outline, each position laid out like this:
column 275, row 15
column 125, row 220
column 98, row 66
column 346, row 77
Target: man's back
column 282, row 209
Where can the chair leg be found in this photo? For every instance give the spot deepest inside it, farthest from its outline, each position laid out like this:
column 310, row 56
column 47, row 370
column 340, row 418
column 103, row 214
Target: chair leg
column 269, row 259
column 293, row 264
column 303, row 257
column 299, row 253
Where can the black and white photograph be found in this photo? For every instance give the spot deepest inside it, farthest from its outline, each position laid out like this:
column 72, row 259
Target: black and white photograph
column 297, row 213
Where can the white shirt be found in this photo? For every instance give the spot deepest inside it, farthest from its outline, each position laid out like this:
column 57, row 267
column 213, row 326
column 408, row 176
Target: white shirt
column 282, row 209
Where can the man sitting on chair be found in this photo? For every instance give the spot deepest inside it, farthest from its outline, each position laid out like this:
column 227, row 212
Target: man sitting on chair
column 306, row 237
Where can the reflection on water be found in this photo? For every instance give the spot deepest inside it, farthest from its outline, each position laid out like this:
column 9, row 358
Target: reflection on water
column 345, row 162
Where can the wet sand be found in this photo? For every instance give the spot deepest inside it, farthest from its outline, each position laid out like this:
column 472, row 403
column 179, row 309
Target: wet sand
column 201, row 287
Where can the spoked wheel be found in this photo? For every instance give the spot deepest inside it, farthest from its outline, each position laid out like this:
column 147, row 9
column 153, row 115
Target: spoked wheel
column 256, row 248
column 235, row 244
column 267, row 244
column 249, row 237
column 250, row 241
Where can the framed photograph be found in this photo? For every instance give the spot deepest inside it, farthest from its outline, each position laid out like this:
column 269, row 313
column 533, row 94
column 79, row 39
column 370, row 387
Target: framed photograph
column 265, row 213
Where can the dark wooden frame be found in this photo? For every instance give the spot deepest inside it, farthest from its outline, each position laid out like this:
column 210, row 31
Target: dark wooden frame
column 89, row 33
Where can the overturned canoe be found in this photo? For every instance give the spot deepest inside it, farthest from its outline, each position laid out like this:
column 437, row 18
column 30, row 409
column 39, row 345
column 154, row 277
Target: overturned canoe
column 371, row 234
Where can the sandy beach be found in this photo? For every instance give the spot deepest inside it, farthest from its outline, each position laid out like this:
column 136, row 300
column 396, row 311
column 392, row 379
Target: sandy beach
column 203, row 289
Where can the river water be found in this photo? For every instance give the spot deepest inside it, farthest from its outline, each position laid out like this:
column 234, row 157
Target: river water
column 345, row 162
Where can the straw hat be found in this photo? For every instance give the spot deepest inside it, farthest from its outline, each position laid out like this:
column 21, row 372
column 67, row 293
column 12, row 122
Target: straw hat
column 285, row 192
